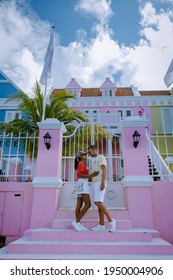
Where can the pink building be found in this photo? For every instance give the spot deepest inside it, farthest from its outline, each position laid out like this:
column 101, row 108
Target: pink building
column 140, row 183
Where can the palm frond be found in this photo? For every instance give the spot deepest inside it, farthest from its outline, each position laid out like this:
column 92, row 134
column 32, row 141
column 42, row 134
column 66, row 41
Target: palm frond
column 32, row 110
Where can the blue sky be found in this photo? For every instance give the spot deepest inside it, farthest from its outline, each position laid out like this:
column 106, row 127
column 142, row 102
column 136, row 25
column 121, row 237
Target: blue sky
column 124, row 21
column 130, row 41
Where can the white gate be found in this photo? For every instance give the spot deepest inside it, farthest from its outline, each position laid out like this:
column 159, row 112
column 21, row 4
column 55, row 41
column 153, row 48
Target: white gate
column 106, row 142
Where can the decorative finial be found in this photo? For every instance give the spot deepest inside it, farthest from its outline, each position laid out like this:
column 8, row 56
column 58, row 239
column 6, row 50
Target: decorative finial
column 52, row 25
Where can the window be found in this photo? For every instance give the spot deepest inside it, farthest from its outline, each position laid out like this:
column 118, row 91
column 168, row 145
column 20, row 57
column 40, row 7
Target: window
column 167, row 119
column 93, row 115
column 12, row 115
column 108, row 92
column 124, row 113
column 128, row 113
column 120, row 113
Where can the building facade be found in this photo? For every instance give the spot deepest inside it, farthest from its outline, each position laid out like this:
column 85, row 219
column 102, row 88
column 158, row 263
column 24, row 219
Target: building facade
column 140, row 178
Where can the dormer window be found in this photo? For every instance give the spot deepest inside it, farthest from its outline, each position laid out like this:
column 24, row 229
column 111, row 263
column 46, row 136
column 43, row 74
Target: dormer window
column 108, row 92
column 108, row 88
column 73, row 87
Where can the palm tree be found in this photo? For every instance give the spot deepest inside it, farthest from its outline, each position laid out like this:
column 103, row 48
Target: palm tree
column 32, row 108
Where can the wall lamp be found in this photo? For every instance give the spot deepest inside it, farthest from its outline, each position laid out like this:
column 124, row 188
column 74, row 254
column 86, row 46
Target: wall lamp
column 136, row 138
column 140, row 113
column 47, row 138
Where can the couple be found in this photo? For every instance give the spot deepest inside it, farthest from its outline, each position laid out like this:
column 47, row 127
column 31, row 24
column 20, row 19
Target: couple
column 98, row 178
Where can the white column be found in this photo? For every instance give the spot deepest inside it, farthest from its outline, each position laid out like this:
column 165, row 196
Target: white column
column 110, row 169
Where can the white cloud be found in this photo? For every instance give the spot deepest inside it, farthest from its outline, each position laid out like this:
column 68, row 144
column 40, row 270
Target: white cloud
column 89, row 61
column 21, row 50
column 154, row 53
column 101, row 9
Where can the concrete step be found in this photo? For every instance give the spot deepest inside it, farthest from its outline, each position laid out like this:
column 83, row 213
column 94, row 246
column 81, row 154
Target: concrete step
column 27, row 246
column 66, row 224
column 72, row 235
column 5, row 256
column 91, row 214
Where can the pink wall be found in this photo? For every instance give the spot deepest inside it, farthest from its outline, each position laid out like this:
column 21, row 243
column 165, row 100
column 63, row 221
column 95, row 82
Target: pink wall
column 139, row 205
column 162, row 197
column 47, row 159
column 135, row 159
column 45, row 204
column 113, row 109
column 16, row 198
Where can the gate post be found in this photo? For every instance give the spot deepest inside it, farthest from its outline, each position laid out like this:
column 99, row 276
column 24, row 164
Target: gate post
column 47, row 182
column 137, row 181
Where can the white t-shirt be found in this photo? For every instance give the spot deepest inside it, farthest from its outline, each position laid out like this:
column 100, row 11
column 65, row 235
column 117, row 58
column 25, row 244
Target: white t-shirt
column 97, row 162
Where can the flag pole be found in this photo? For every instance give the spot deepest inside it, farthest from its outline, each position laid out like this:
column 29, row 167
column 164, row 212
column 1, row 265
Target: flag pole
column 46, row 73
column 44, row 99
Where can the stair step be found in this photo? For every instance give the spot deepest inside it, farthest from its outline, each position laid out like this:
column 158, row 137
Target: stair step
column 27, row 246
column 72, row 235
column 66, row 224
column 91, row 214
column 5, row 256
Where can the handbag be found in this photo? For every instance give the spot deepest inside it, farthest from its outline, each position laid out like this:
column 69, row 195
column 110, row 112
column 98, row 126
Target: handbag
column 78, row 186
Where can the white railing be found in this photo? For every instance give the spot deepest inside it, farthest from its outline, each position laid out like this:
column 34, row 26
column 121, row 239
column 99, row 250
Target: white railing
column 157, row 160
column 107, row 143
column 16, row 162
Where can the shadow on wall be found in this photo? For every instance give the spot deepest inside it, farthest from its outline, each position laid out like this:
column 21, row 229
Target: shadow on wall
column 2, row 241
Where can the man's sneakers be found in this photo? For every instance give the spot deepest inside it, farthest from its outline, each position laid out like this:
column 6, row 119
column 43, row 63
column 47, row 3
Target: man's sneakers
column 98, row 228
column 83, row 228
column 112, row 226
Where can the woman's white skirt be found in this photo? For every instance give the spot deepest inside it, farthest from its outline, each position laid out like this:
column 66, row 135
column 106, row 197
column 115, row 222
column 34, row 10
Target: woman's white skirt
column 82, row 186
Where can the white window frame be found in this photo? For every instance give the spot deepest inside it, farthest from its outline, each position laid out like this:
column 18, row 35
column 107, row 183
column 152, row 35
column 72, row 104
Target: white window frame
column 9, row 118
column 93, row 116
column 124, row 113
column 108, row 92
column 164, row 125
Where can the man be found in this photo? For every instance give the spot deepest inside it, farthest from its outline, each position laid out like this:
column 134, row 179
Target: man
column 99, row 186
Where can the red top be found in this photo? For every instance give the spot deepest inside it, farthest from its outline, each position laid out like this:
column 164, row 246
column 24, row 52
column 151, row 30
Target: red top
column 81, row 168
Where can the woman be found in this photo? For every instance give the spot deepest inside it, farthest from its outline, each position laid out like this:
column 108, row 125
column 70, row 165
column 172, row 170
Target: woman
column 83, row 196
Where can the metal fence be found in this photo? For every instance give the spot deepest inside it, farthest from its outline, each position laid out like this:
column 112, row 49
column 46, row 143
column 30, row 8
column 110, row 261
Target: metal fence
column 106, row 142
column 17, row 157
column 160, row 151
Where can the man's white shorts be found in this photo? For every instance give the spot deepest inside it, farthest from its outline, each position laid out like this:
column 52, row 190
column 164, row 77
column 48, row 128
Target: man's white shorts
column 98, row 193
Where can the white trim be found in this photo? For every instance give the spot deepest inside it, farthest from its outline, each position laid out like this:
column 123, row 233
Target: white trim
column 13, row 115
column 15, row 160
column 135, row 90
column 9, row 80
column 137, row 181
column 125, row 99
column 133, row 122
column 52, row 124
column 4, row 82
column 169, row 159
column 47, row 182
column 10, row 105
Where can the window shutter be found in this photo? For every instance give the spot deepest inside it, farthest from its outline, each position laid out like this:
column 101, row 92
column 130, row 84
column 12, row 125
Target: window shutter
column 168, row 124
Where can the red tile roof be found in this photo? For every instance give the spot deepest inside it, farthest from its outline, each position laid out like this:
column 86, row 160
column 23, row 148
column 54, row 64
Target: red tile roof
column 120, row 91
column 90, row 92
column 125, row 91
column 154, row 92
